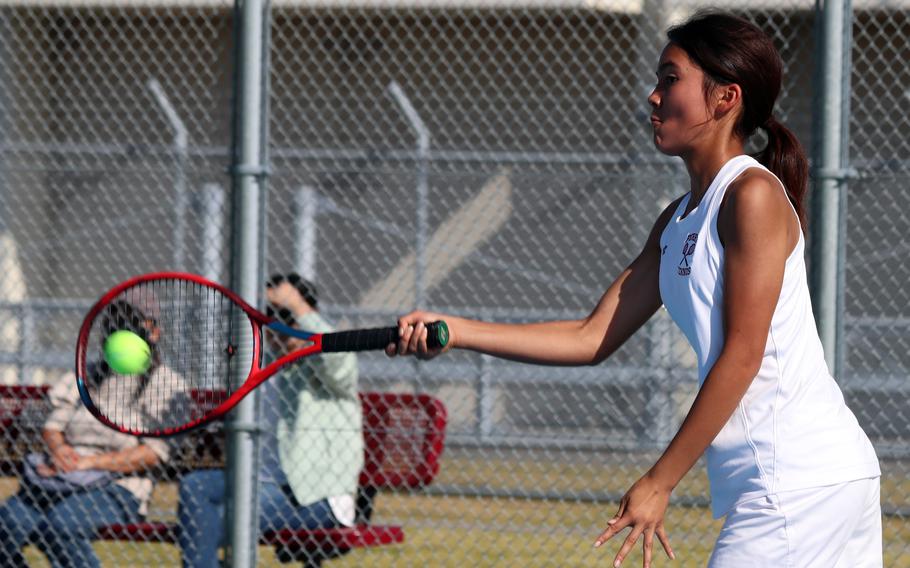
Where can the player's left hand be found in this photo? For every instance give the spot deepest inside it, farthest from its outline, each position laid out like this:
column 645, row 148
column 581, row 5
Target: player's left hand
column 642, row 508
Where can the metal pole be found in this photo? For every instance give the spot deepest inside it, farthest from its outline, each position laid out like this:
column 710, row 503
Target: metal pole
column 847, row 173
column 212, row 213
column 181, row 145
column 305, row 231
column 423, row 153
column 209, row 206
column 249, row 171
column 830, row 176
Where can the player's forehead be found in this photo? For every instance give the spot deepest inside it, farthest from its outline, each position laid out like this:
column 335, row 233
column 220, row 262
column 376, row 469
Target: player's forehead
column 675, row 59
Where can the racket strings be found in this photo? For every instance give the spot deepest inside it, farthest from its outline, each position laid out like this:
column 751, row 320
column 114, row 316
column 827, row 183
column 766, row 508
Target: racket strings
column 202, row 350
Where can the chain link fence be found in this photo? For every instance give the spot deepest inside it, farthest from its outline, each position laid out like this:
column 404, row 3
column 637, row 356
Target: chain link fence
column 487, row 159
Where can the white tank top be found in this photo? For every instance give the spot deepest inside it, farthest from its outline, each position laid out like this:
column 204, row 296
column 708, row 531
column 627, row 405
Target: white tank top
column 792, row 429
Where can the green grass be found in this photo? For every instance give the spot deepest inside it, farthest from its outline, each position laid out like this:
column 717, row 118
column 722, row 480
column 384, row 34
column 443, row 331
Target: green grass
column 453, row 531
column 444, row 531
column 458, row 532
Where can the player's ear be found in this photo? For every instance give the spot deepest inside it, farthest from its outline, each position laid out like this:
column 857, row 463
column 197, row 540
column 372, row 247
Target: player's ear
column 727, row 98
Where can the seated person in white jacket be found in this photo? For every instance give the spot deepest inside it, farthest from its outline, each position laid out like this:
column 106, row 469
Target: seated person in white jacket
column 312, row 440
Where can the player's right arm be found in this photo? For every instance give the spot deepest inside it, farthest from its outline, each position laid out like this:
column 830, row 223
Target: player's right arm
column 626, row 305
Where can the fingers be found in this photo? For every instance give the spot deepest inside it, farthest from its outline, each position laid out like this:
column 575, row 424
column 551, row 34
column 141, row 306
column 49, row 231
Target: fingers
column 614, row 526
column 405, row 335
column 627, row 546
column 640, row 510
column 418, row 336
column 405, row 330
column 646, row 545
column 623, row 503
column 665, row 542
column 412, row 336
column 412, row 340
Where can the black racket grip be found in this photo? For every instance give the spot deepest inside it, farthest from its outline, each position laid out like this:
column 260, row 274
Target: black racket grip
column 378, row 338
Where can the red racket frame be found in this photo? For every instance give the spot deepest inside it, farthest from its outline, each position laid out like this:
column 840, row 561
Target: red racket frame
column 354, row 340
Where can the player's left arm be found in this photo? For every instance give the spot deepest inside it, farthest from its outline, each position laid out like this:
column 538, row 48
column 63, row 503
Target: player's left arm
column 758, row 231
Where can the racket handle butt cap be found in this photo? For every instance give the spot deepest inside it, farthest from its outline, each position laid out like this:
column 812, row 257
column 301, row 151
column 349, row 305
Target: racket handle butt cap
column 437, row 335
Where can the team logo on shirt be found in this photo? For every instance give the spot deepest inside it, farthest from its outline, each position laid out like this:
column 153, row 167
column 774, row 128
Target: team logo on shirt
column 685, row 265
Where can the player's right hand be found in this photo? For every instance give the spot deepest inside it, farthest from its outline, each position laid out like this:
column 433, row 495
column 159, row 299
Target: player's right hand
column 412, row 334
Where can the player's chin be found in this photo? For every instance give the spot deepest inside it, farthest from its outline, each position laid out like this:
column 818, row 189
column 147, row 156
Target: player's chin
column 666, row 146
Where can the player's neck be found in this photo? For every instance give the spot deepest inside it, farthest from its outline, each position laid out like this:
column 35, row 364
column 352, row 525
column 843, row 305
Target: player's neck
column 704, row 167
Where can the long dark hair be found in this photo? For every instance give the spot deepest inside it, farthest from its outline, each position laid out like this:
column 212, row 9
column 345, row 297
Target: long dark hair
column 732, row 50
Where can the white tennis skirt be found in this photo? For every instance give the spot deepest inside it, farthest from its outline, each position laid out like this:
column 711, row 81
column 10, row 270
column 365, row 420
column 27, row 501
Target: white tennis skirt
column 836, row 526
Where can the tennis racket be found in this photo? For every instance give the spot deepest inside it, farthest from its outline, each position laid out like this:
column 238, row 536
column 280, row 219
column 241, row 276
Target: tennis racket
column 206, row 352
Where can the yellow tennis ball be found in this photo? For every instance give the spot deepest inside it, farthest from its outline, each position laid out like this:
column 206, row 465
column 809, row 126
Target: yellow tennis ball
column 127, row 353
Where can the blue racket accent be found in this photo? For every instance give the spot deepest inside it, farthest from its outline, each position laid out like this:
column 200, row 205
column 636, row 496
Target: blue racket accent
column 288, row 330
column 84, row 394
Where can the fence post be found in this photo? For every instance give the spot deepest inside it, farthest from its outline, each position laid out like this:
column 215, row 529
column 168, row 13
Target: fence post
column 830, row 176
column 249, row 171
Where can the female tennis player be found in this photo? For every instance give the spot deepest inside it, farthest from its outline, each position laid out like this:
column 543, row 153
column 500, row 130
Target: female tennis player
column 790, row 468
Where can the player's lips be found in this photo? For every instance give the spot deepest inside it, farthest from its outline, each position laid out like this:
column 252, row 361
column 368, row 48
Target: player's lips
column 655, row 121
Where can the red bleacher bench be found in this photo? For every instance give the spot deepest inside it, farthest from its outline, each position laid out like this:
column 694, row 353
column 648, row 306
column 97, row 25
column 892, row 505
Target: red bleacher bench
column 403, row 441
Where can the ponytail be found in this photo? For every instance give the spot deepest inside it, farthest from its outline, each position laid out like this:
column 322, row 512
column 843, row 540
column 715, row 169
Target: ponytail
column 785, row 157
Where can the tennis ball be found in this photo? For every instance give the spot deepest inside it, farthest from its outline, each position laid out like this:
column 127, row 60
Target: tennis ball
column 127, row 353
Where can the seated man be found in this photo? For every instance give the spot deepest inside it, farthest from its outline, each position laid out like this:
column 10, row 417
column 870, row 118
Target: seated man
column 90, row 475
column 312, row 440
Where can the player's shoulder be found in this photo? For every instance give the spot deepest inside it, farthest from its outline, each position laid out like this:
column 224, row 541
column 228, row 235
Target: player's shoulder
column 756, row 190
column 756, row 202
